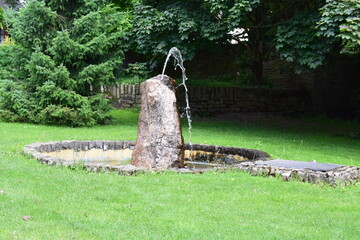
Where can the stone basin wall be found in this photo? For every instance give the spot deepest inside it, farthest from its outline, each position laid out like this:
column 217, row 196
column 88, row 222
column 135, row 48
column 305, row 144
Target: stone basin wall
column 39, row 150
column 250, row 154
column 254, row 164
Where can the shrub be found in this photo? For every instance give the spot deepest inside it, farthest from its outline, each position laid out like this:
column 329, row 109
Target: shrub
column 65, row 51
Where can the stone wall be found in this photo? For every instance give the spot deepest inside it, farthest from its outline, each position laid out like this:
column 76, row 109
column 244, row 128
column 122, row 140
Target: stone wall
column 215, row 100
column 124, row 96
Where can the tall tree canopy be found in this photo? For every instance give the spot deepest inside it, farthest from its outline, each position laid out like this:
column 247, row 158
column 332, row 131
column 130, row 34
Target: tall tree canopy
column 302, row 31
column 159, row 25
column 66, row 51
column 341, row 19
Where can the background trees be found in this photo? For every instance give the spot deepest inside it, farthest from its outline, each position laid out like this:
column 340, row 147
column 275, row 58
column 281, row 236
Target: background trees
column 329, row 27
column 160, row 25
column 341, row 20
column 301, row 32
column 65, row 51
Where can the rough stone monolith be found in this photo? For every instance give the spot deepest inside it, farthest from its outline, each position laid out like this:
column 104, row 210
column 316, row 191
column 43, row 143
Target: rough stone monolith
column 159, row 143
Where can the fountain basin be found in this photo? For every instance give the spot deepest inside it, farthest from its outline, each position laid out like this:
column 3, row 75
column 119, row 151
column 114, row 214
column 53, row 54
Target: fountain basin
column 116, row 155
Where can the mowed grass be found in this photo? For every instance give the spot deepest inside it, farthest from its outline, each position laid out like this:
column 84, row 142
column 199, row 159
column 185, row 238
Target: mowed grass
column 73, row 204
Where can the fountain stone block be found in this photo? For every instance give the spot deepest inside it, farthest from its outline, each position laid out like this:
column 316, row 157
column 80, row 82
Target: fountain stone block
column 159, row 143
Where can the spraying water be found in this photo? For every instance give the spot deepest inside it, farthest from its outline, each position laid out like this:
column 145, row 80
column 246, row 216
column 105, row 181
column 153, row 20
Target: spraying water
column 178, row 62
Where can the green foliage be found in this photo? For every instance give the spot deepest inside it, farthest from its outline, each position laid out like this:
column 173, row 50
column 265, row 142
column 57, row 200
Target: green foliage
column 160, row 25
column 232, row 13
column 310, row 34
column 291, row 25
column 125, row 4
column 6, row 66
column 255, row 22
column 131, row 80
column 15, row 102
column 341, row 19
column 191, row 25
column 350, row 48
column 139, row 70
column 35, row 26
column 297, row 41
column 69, row 49
column 303, row 32
column 2, row 18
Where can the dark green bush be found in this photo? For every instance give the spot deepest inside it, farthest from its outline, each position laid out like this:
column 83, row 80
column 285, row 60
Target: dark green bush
column 65, row 51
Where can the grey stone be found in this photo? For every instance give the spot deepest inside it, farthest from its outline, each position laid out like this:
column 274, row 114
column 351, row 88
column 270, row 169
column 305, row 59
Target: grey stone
column 42, row 148
column 71, row 144
column 98, row 144
column 111, row 145
column 58, row 146
column 64, row 144
column 91, row 144
column 118, row 145
column 301, row 175
column 126, row 145
column 265, row 171
column 77, row 146
column 84, row 145
column 286, row 175
column 254, row 170
column 311, row 177
column 105, row 145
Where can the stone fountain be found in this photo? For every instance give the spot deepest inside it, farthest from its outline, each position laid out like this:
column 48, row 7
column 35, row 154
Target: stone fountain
column 160, row 145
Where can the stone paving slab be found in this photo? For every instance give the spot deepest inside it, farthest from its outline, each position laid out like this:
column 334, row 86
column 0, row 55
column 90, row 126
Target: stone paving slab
column 300, row 165
column 312, row 172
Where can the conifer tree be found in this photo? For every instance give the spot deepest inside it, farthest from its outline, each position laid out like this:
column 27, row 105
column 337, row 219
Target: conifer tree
column 65, row 51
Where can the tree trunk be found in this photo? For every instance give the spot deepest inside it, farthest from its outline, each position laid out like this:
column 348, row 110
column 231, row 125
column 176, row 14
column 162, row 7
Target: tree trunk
column 258, row 70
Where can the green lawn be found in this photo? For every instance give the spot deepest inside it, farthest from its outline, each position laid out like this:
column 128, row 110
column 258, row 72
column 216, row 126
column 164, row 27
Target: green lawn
column 73, row 204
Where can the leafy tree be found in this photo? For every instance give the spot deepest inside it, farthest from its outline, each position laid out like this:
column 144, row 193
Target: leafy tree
column 68, row 50
column 194, row 24
column 297, row 41
column 125, row 4
column 159, row 25
column 331, row 27
column 290, row 26
column 341, row 19
column 302, row 31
